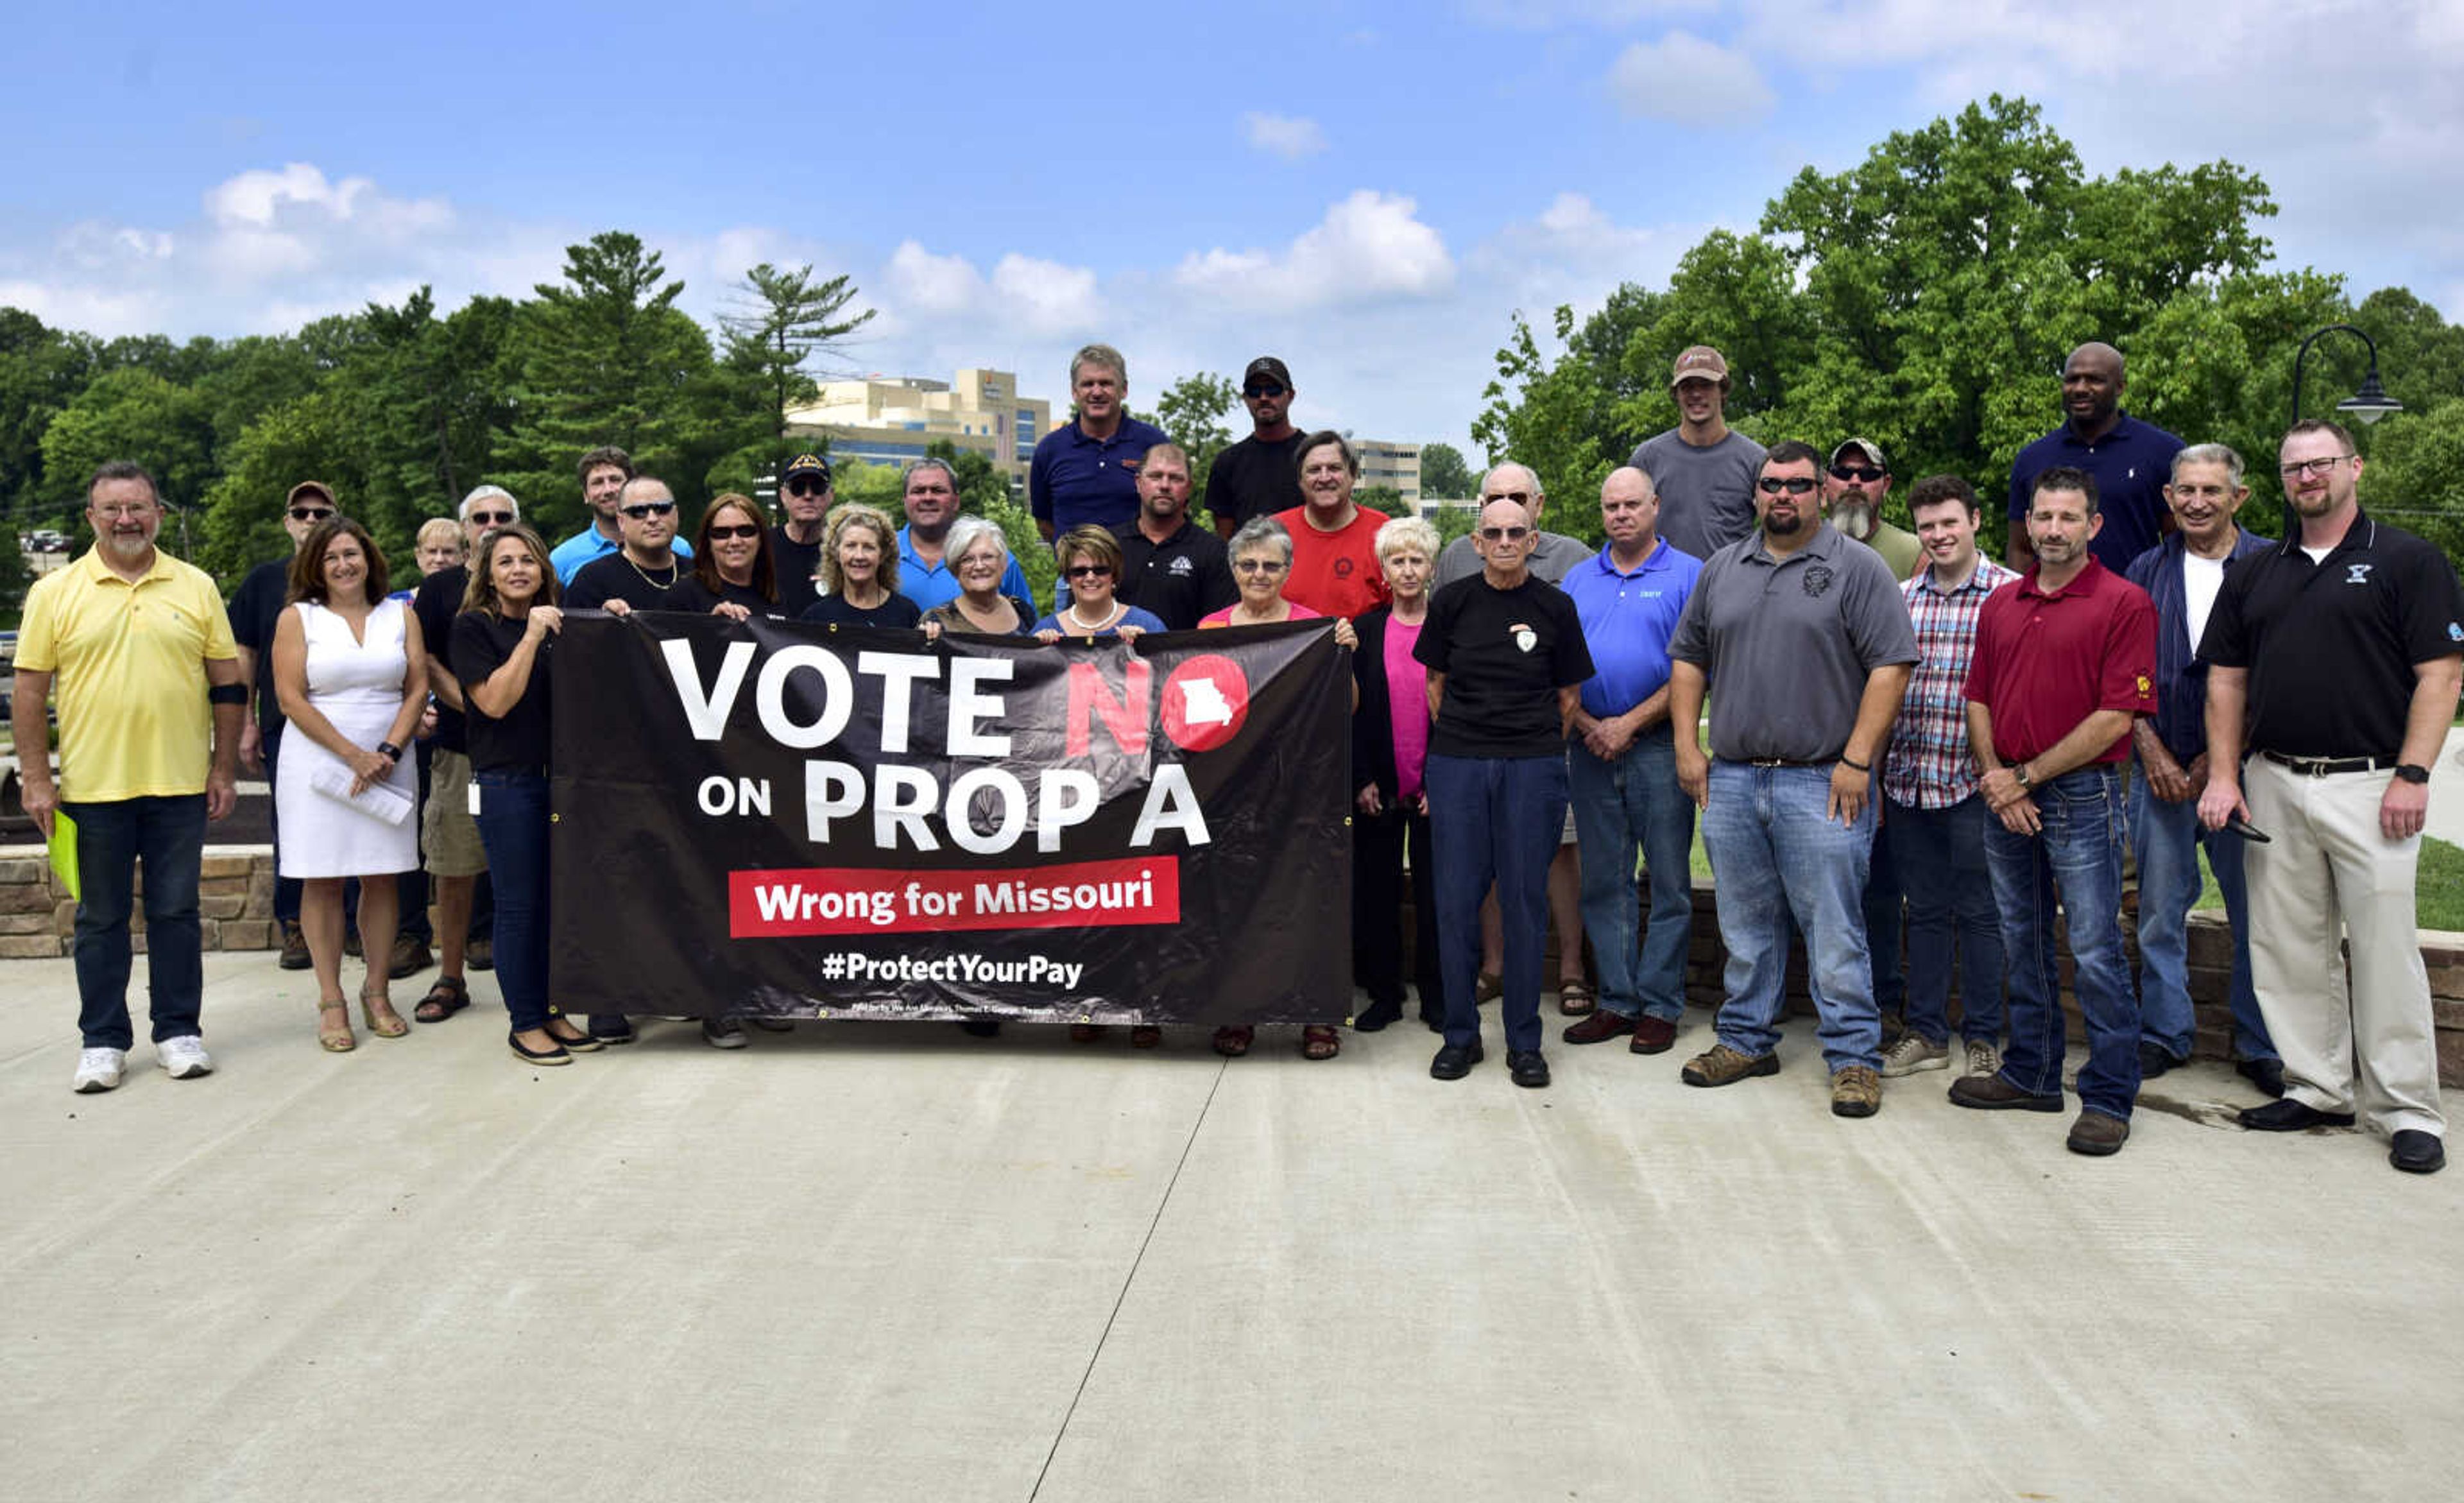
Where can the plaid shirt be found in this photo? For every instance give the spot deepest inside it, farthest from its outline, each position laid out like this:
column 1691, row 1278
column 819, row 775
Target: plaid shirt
column 1929, row 765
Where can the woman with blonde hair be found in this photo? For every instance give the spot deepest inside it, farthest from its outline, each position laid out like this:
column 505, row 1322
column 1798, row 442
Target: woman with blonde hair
column 859, row 572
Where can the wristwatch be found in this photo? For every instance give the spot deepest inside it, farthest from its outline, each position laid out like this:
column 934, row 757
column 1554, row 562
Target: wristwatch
column 2019, row 770
column 2412, row 772
column 390, row 749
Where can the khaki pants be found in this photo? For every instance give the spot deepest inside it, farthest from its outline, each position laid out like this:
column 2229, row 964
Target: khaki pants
column 2370, row 1047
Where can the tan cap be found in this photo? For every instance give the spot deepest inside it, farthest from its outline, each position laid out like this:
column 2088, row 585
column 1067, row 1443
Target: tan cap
column 305, row 486
column 1873, row 452
column 1703, row 361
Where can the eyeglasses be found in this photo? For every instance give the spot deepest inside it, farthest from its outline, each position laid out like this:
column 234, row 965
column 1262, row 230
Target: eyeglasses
column 491, row 519
column 1506, row 534
column 1259, row 565
column 641, row 509
column 1518, row 498
column 2295, row 470
column 1263, row 389
column 1089, row 571
column 748, row 529
column 1864, row 474
column 808, row 487
column 1794, row 485
column 311, row 513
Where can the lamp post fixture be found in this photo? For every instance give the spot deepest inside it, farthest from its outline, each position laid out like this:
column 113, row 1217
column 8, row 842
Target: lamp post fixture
column 2368, row 405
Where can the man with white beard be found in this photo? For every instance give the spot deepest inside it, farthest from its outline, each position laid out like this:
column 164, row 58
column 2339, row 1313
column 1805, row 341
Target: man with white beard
column 1852, row 491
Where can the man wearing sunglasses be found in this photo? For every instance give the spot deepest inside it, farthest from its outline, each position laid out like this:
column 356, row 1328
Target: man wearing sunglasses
column 1854, row 490
column 2132, row 461
column 648, row 565
column 604, row 473
column 805, row 496
column 1705, row 470
column 1259, row 475
column 1804, row 645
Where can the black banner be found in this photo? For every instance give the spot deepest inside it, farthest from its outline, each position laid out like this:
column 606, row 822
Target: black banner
column 783, row 820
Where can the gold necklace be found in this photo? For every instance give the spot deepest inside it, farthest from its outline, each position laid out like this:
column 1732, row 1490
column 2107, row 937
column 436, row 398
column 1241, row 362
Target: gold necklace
column 666, row 583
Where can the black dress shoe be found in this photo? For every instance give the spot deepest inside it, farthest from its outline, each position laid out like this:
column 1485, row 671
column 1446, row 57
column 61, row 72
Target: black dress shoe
column 2154, row 1061
column 2289, row 1116
column 1527, row 1068
column 2268, row 1074
column 1375, row 1016
column 1454, row 1061
column 2417, row 1152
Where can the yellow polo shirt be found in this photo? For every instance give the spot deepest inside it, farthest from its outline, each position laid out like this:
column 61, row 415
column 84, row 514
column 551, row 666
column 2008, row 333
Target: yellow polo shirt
column 128, row 672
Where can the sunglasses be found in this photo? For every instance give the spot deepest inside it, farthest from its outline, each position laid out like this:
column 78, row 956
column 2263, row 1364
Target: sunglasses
column 808, row 487
column 1259, row 565
column 1865, row 474
column 1794, row 485
column 311, row 513
column 1089, row 571
column 641, row 509
column 1263, row 389
column 735, row 530
column 1506, row 534
column 490, row 519
column 1518, row 498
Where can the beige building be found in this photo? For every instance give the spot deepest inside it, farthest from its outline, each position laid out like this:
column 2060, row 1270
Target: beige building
column 1397, row 466
column 889, row 421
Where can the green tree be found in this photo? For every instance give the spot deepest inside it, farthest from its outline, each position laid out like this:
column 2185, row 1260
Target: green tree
column 130, row 413
column 1192, row 411
column 1444, row 477
column 1381, row 498
column 780, row 320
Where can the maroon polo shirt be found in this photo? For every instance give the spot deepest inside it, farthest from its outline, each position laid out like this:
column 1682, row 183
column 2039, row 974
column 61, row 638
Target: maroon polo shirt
column 2046, row 661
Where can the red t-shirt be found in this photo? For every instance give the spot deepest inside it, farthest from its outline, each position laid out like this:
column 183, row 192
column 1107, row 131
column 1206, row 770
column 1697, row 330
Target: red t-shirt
column 2045, row 662
column 1335, row 573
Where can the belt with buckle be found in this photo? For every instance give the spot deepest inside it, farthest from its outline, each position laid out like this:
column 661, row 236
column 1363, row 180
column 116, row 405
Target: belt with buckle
column 1785, row 761
column 2325, row 767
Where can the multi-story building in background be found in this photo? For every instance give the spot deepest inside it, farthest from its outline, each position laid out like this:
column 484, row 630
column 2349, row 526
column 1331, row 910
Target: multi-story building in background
column 1395, row 466
column 890, row 420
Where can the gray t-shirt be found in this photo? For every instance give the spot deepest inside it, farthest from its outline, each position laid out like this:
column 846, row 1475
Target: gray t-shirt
column 1788, row 643
column 1707, row 495
column 1551, row 559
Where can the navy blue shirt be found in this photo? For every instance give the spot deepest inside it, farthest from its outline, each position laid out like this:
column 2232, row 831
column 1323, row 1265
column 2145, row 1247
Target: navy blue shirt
column 1627, row 620
column 2132, row 465
column 1074, row 480
column 2181, row 674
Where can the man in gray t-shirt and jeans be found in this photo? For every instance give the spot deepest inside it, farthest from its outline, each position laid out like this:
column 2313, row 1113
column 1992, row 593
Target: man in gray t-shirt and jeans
column 1802, row 640
column 1704, row 471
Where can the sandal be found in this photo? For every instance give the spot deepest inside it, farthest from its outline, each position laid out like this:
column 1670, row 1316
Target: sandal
column 337, row 1038
column 1320, row 1041
column 1233, row 1043
column 450, row 995
column 1576, row 999
column 385, row 1025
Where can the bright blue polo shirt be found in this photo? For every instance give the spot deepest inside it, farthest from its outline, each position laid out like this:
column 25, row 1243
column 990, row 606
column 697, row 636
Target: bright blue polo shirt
column 1627, row 622
column 2132, row 465
column 932, row 584
column 1075, row 480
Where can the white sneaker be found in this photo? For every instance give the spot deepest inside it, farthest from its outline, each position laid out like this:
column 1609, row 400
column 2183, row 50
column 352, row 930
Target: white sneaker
column 1984, row 1058
column 98, row 1070
column 184, row 1057
column 1912, row 1053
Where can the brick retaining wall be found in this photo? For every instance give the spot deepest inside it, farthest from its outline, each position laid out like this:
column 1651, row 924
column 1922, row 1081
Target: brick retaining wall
column 236, row 906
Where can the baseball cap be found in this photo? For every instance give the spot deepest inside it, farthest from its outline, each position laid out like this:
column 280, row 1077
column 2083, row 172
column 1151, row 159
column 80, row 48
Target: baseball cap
column 1269, row 366
column 1700, row 359
column 1873, row 452
column 803, row 465
column 310, row 487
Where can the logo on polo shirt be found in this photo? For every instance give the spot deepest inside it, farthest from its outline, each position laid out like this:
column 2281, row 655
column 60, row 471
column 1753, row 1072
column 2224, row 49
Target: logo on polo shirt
column 1180, row 567
column 1817, row 578
column 2456, row 631
column 1342, row 569
column 2357, row 573
column 1524, row 638
column 2146, row 686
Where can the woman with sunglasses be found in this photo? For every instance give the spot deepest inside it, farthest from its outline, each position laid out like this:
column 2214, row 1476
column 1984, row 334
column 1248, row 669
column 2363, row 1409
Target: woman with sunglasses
column 1090, row 562
column 505, row 654
column 859, row 577
column 734, row 573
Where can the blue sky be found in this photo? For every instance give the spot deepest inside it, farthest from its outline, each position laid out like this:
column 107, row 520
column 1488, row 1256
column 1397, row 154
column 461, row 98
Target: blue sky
column 1368, row 189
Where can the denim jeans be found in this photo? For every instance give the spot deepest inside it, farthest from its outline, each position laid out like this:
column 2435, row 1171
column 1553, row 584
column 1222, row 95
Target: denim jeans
column 513, row 825
column 1941, row 855
column 1885, row 892
column 1495, row 819
column 1774, row 853
column 2080, row 850
column 1634, row 805
column 168, row 837
column 2167, row 839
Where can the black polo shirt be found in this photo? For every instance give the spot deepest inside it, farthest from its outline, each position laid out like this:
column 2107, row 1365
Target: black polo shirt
column 2330, row 647
column 436, row 603
column 1180, row 579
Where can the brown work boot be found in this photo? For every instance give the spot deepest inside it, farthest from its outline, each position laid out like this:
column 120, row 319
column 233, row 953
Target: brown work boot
column 295, row 955
column 409, row 956
column 2097, row 1135
column 1856, row 1091
column 1723, row 1065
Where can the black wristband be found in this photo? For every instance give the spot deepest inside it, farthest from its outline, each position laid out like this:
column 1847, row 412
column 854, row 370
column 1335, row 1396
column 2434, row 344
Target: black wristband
column 1860, row 766
column 390, row 749
column 227, row 693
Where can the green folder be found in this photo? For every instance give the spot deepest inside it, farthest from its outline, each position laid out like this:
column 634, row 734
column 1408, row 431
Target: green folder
column 63, row 850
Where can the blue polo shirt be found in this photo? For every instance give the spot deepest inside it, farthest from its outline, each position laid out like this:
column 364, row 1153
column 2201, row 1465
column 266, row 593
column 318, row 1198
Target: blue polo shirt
column 932, row 584
column 2132, row 465
column 1627, row 620
column 1075, row 480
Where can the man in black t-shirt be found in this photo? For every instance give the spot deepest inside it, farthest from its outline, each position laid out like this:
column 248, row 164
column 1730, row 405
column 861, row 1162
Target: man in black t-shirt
column 806, row 497
column 646, row 564
column 1506, row 663
column 1168, row 564
column 1259, row 475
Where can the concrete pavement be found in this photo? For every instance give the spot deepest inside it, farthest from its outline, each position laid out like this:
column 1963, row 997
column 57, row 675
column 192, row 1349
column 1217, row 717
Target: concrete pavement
column 880, row 1261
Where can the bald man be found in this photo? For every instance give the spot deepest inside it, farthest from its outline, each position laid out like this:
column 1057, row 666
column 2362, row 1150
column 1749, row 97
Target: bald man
column 2132, row 461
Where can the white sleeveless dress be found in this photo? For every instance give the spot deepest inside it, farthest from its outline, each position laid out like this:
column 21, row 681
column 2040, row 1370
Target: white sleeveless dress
column 357, row 686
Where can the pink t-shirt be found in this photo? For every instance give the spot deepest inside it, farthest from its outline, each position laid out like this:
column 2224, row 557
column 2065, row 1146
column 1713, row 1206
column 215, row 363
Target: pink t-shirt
column 1223, row 617
column 1407, row 705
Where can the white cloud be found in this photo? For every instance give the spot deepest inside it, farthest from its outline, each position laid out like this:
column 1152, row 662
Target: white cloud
column 1369, row 246
column 1286, row 136
column 1683, row 78
column 1025, row 295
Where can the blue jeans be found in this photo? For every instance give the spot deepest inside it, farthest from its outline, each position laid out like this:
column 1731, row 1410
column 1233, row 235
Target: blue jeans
column 2167, row 838
column 1941, row 855
column 1885, row 893
column 1621, row 808
column 513, row 825
column 2080, row 849
column 1495, row 819
column 168, row 836
column 1775, row 854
